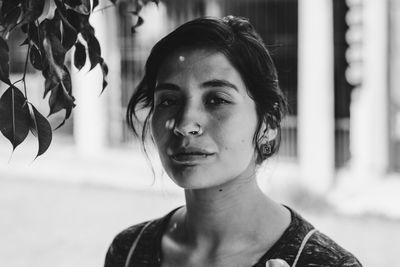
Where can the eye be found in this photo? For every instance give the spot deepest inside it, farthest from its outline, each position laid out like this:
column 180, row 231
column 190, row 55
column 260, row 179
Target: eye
column 217, row 100
column 166, row 103
column 166, row 100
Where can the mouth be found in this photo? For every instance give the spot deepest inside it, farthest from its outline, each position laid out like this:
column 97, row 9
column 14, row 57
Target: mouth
column 190, row 157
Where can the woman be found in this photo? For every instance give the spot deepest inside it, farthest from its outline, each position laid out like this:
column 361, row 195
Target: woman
column 214, row 111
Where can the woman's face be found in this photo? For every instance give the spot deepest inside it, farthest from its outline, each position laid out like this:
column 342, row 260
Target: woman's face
column 204, row 121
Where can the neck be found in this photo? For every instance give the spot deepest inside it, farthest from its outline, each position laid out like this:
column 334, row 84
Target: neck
column 236, row 211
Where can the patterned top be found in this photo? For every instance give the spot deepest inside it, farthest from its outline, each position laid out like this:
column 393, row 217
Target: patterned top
column 319, row 250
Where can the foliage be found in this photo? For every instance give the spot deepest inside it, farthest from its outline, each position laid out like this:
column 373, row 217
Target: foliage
column 51, row 28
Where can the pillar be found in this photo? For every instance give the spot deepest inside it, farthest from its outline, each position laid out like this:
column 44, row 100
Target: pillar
column 394, row 81
column 98, row 118
column 213, row 8
column 369, row 129
column 316, row 94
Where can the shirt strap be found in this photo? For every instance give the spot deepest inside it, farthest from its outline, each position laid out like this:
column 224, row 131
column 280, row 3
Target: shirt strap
column 134, row 244
column 303, row 244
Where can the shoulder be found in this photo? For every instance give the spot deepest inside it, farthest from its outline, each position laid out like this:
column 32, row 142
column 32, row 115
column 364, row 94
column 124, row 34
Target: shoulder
column 149, row 233
column 321, row 250
column 318, row 250
column 121, row 244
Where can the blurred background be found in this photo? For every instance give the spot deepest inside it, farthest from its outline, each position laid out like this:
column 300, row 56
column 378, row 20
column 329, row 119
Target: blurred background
column 339, row 163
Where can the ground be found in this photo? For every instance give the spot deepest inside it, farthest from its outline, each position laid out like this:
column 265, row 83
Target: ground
column 49, row 224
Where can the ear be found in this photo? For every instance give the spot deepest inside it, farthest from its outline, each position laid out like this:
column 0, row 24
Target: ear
column 272, row 134
column 268, row 133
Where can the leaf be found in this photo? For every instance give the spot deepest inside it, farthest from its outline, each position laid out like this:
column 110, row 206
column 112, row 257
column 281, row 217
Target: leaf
column 38, row 62
column 14, row 116
column 67, row 21
column 56, row 100
column 79, row 55
column 55, row 55
column 31, row 10
column 24, row 28
column 73, row 18
column 6, row 8
column 51, row 81
column 10, row 18
column 55, row 52
column 60, row 6
column 104, row 68
column 86, row 29
column 69, row 35
column 73, row 3
column 4, row 62
column 41, row 126
column 83, row 8
column 49, row 9
column 35, row 35
column 67, row 82
column 139, row 22
column 67, row 114
column 60, row 99
column 25, row 42
column 94, row 51
column 95, row 4
column 61, row 95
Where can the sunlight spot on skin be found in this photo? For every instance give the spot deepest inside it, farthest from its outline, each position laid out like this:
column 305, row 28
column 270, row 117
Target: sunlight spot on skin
column 173, row 228
column 181, row 58
column 169, row 124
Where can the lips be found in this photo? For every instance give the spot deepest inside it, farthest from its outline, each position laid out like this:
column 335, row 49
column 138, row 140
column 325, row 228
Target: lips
column 190, row 155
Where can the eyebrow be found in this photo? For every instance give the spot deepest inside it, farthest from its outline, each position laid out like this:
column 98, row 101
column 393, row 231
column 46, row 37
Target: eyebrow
column 219, row 83
column 210, row 83
column 166, row 86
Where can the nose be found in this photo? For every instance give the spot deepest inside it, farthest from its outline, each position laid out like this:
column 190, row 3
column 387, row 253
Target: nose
column 187, row 122
column 188, row 130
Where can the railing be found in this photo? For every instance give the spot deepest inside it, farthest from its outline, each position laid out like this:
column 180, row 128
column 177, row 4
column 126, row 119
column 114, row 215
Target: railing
column 289, row 142
column 288, row 148
column 342, row 142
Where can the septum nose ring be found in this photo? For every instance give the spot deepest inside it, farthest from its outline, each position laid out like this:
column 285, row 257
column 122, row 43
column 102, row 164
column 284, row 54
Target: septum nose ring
column 198, row 131
column 170, row 125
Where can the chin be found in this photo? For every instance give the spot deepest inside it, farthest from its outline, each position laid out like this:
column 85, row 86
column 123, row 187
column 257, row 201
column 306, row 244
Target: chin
column 193, row 177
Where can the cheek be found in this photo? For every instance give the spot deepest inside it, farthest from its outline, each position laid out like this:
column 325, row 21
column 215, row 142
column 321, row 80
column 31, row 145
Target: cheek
column 236, row 133
column 158, row 129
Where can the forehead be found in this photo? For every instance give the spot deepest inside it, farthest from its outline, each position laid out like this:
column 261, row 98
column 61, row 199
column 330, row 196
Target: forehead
column 198, row 62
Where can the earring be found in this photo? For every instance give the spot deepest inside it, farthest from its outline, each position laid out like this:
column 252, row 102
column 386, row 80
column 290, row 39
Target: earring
column 266, row 150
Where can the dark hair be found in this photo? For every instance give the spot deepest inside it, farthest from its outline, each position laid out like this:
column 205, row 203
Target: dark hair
column 236, row 38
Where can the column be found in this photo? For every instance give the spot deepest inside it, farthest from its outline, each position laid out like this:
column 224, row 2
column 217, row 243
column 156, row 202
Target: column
column 97, row 118
column 369, row 129
column 213, row 8
column 316, row 94
column 395, row 83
